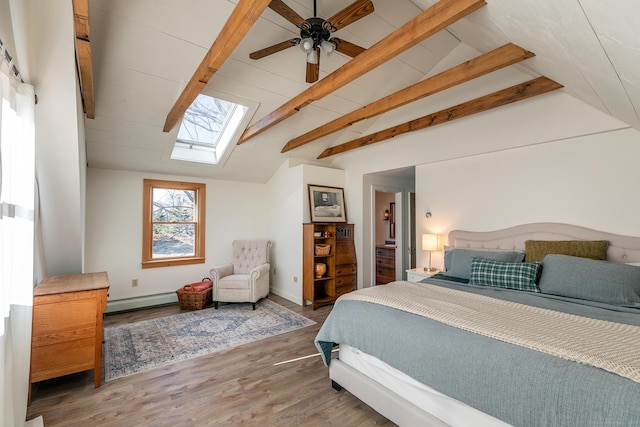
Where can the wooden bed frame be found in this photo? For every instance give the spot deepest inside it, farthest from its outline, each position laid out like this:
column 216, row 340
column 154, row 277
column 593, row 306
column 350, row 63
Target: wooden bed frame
column 622, row 249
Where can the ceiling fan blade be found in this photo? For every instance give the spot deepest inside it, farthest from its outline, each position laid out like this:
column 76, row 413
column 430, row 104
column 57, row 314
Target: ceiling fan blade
column 289, row 14
column 274, row 49
column 313, row 71
column 346, row 47
column 350, row 14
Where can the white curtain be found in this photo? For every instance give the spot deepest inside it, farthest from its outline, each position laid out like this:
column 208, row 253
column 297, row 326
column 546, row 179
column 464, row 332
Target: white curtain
column 17, row 160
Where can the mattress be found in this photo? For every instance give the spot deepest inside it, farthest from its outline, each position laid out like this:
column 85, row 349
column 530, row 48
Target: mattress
column 449, row 410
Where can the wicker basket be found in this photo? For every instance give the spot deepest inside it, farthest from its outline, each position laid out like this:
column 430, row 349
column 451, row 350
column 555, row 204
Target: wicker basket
column 191, row 299
column 323, row 249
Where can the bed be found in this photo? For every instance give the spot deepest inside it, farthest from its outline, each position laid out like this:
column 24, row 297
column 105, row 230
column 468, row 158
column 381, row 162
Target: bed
column 534, row 325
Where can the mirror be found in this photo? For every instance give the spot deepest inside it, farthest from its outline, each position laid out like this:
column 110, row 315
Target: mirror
column 392, row 220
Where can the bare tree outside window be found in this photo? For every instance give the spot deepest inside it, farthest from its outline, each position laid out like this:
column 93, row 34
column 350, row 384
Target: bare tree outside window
column 173, row 223
column 204, row 120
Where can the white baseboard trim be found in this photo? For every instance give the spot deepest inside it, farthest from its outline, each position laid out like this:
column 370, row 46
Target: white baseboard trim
column 170, row 298
column 141, row 302
column 287, row 295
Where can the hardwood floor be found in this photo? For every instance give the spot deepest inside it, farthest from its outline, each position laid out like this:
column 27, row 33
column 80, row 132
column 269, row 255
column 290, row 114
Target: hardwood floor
column 241, row 385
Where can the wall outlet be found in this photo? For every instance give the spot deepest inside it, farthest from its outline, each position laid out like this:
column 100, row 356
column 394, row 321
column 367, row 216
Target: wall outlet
column 295, row 279
column 134, row 283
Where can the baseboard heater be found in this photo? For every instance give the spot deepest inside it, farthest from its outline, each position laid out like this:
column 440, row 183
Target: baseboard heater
column 137, row 303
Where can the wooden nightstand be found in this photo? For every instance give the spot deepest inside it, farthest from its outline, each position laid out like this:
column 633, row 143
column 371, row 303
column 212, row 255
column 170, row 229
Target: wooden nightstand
column 417, row 274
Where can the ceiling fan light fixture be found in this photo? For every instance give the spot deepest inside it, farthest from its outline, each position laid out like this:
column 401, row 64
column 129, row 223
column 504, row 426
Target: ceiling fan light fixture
column 312, row 57
column 315, row 33
column 306, row 45
column 327, row 47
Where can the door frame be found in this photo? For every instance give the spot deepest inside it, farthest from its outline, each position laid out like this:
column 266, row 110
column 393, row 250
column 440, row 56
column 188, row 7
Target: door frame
column 401, row 248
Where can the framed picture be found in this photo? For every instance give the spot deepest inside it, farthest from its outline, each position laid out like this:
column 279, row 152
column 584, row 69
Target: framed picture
column 327, row 204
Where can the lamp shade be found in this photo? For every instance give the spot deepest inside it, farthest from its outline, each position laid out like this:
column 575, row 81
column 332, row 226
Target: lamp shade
column 306, row 45
column 327, row 47
column 312, row 57
column 429, row 242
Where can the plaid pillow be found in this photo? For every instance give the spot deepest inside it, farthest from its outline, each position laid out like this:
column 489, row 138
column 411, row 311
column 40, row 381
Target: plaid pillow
column 511, row 275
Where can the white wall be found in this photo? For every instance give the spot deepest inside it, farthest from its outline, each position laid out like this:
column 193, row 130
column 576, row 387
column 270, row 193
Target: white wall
column 542, row 121
column 235, row 210
column 285, row 207
column 59, row 148
column 590, row 181
column 6, row 30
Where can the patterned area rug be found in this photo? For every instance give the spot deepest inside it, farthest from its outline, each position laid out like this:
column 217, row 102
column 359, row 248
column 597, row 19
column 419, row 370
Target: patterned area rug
column 140, row 346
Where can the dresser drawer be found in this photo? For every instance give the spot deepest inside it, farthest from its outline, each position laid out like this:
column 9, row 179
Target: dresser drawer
column 343, row 290
column 57, row 317
column 343, row 270
column 340, row 286
column 386, row 252
column 386, row 272
column 349, row 280
column 386, row 262
column 62, row 358
column 385, row 275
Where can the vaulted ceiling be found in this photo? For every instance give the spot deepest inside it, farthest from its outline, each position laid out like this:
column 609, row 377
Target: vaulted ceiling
column 144, row 52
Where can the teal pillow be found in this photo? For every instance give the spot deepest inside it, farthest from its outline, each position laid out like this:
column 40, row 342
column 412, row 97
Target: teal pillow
column 592, row 280
column 509, row 275
column 457, row 261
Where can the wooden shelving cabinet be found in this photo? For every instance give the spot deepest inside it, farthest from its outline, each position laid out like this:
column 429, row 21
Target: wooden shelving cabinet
column 340, row 276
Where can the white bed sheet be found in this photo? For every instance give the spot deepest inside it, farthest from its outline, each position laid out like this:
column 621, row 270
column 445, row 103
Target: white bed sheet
column 449, row 410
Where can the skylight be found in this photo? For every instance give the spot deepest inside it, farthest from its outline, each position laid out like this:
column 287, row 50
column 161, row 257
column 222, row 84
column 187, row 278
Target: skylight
column 207, row 128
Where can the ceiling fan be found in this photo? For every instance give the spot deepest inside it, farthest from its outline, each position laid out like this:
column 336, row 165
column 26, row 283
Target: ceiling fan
column 315, row 34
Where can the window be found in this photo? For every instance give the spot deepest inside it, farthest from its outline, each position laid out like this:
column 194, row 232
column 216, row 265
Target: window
column 173, row 229
column 207, row 128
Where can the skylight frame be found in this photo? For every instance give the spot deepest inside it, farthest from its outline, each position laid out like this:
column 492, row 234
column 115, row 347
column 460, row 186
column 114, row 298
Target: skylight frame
column 216, row 152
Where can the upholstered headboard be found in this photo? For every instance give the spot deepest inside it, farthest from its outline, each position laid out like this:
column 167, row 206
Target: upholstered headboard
column 621, row 248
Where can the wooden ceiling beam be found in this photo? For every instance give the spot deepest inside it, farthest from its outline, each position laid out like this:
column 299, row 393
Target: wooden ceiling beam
column 501, row 57
column 427, row 23
column 244, row 15
column 515, row 93
column 83, row 46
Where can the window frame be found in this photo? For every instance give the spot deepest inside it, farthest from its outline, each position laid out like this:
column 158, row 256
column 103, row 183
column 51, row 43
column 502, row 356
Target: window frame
column 216, row 151
column 147, row 223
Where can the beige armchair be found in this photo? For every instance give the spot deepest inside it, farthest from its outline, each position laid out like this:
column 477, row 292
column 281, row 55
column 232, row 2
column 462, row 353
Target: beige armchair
column 246, row 278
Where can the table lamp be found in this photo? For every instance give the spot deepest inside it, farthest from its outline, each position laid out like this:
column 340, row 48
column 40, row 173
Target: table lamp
column 430, row 243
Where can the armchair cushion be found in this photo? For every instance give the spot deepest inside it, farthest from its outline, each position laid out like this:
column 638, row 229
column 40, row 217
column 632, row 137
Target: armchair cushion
column 235, row 281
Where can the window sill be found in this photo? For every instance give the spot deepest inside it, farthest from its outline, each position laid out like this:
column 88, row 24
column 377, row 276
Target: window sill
column 172, row 262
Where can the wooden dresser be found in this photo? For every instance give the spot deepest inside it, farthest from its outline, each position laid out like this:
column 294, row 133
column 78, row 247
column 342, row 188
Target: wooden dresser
column 67, row 326
column 385, row 264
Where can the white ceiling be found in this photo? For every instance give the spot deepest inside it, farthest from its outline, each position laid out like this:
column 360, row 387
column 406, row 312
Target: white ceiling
column 144, row 52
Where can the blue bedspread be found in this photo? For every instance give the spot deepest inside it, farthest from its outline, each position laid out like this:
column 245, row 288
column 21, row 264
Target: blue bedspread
column 520, row 386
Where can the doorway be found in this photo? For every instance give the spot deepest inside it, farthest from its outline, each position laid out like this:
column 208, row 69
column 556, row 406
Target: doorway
column 393, row 186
